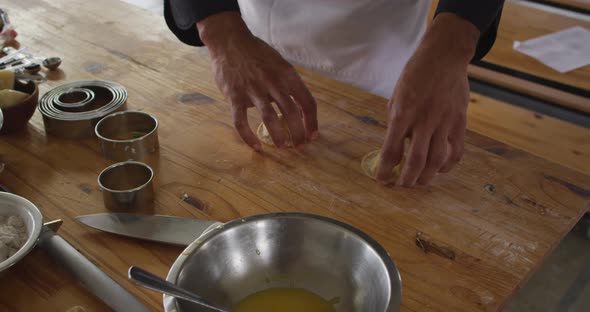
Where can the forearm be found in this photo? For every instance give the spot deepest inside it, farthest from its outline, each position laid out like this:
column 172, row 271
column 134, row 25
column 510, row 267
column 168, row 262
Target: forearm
column 182, row 15
column 452, row 38
column 482, row 14
column 219, row 30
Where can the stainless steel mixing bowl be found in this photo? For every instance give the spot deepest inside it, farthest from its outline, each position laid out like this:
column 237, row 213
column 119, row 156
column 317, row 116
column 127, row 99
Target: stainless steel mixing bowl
column 329, row 258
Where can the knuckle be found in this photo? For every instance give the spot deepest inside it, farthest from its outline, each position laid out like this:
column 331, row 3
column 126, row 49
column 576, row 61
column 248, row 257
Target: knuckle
column 398, row 115
column 228, row 90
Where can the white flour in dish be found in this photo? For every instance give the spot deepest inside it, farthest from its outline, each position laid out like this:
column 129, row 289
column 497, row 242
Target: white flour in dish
column 13, row 235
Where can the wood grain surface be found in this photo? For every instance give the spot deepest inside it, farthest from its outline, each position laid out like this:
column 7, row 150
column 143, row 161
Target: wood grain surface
column 521, row 23
column 582, row 4
column 527, row 87
column 500, row 212
column 547, row 137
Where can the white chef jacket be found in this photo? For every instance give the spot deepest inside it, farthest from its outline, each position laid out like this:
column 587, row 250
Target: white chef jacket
column 365, row 43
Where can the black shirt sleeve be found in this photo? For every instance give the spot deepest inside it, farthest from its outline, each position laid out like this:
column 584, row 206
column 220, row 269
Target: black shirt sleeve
column 484, row 14
column 182, row 15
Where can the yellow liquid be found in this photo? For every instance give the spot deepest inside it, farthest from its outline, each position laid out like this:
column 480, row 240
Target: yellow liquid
column 283, row 300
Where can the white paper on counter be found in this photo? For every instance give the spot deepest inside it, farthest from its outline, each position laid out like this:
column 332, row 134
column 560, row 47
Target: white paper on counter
column 563, row 51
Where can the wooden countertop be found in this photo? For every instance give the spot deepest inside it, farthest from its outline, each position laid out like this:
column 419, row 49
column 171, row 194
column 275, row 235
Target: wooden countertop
column 522, row 73
column 578, row 4
column 520, row 23
column 501, row 211
column 541, row 135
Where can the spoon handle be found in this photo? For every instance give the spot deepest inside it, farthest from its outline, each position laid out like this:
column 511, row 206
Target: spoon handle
column 153, row 282
column 35, row 78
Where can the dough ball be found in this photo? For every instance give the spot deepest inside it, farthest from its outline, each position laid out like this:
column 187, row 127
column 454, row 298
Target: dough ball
column 264, row 136
column 370, row 163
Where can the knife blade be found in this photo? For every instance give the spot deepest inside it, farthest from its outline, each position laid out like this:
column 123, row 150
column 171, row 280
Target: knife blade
column 157, row 228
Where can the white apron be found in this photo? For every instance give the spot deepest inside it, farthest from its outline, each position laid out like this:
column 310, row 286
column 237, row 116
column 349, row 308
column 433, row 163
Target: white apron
column 365, row 43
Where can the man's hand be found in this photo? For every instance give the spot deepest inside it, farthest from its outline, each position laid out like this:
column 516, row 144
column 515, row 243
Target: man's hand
column 250, row 73
column 429, row 104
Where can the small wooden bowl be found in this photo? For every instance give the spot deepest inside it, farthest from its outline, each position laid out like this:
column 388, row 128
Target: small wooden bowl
column 16, row 117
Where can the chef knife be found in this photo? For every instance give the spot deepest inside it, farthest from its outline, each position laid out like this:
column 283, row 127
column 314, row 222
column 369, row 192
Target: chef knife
column 157, row 228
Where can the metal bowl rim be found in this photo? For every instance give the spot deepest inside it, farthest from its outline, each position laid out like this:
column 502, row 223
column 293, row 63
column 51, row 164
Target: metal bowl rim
column 101, row 137
column 171, row 305
column 85, row 116
column 32, row 239
column 124, row 163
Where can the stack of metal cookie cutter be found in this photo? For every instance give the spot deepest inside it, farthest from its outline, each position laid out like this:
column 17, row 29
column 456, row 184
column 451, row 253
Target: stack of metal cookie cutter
column 72, row 110
column 84, row 109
